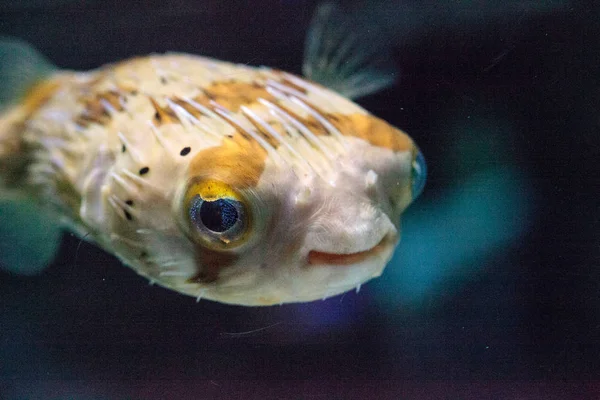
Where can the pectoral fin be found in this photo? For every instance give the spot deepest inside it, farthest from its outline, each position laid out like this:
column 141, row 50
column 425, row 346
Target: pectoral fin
column 29, row 237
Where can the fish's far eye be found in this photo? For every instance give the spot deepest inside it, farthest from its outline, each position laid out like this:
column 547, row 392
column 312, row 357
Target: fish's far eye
column 418, row 175
column 217, row 216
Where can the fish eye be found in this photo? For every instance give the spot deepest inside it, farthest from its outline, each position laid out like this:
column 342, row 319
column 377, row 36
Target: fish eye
column 418, row 175
column 217, row 215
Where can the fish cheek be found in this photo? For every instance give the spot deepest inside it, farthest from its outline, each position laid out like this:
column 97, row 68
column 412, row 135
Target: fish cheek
column 238, row 162
column 210, row 263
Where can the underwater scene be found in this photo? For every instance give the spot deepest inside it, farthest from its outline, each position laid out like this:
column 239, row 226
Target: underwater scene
column 492, row 292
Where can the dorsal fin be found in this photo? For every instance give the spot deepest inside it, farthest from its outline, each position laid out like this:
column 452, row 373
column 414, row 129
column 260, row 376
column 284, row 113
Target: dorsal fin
column 348, row 54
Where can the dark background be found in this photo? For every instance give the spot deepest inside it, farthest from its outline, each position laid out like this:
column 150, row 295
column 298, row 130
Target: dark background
column 502, row 99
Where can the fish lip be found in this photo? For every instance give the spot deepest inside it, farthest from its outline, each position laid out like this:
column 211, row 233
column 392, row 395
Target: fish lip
column 321, row 258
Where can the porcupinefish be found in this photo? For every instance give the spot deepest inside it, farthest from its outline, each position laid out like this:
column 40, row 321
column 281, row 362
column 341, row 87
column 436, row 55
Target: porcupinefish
column 227, row 182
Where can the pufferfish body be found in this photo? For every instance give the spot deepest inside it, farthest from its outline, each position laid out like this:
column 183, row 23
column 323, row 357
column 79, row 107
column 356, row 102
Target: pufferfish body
column 227, row 182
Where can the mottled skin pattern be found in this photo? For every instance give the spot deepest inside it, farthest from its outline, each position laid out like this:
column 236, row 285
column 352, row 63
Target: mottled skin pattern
column 120, row 151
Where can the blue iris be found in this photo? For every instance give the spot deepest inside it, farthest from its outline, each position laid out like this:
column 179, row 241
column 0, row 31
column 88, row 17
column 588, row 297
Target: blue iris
column 419, row 175
column 218, row 216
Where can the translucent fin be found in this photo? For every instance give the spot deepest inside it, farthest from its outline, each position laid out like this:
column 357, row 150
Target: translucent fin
column 21, row 66
column 348, row 52
column 29, row 238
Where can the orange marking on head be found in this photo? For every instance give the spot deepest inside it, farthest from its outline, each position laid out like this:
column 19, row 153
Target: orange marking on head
column 238, row 161
column 373, row 130
column 309, row 121
column 364, row 126
column 95, row 111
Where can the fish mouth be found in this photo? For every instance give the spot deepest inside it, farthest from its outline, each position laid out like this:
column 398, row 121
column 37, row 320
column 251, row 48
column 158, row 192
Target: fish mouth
column 322, row 258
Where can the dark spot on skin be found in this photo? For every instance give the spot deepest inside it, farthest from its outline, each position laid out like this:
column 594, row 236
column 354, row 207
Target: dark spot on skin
column 134, row 92
column 129, row 202
column 157, row 116
column 230, row 136
column 203, row 277
column 185, row 151
column 163, row 80
column 144, row 171
column 123, row 149
column 143, row 254
column 128, row 215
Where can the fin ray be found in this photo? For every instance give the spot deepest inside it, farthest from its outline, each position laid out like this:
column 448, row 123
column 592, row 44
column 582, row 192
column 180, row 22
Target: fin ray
column 352, row 63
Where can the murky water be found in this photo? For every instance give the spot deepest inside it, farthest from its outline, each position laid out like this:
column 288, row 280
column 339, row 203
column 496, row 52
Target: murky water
column 494, row 290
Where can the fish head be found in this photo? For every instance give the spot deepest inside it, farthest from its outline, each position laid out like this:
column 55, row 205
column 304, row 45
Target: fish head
column 294, row 225
column 259, row 192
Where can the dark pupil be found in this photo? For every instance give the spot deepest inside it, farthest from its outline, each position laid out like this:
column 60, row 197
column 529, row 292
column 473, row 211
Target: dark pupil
column 219, row 215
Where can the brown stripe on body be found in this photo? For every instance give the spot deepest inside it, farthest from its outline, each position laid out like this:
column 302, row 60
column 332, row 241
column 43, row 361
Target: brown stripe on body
column 95, row 111
column 232, row 95
column 163, row 115
column 290, row 83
